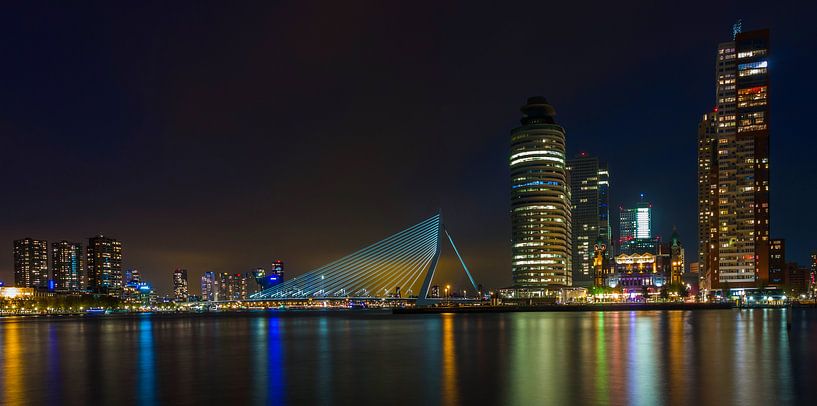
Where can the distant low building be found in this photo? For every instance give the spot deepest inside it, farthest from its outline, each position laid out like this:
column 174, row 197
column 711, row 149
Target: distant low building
column 15, row 292
column 636, row 272
column 138, row 293
column 798, row 279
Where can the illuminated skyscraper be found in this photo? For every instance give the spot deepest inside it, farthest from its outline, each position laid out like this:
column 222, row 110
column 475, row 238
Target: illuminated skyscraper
column 635, row 229
column 813, row 276
column 208, row 286
column 277, row 271
column 707, row 194
column 104, row 261
column 590, row 191
column 736, row 216
column 540, row 200
column 231, row 287
column 180, row 289
column 30, row 263
column 66, row 265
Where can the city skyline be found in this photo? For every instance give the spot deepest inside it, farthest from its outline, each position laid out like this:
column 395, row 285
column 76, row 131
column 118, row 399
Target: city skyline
column 186, row 211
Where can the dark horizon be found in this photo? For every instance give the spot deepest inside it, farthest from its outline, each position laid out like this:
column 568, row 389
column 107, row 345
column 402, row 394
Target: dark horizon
column 217, row 141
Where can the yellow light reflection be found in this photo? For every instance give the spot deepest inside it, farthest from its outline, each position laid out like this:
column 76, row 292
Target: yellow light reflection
column 450, row 391
column 602, row 371
column 12, row 365
column 676, row 357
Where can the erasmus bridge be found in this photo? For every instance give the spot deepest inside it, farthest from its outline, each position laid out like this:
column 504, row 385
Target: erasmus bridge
column 399, row 266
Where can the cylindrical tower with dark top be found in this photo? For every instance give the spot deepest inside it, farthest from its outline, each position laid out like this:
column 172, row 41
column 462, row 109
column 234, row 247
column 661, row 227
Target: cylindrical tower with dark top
column 540, row 200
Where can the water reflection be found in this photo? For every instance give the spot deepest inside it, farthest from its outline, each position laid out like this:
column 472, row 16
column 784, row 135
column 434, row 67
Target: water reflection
column 260, row 364
column 12, row 371
column 450, row 388
column 267, row 375
column 54, row 362
column 276, row 383
column 642, row 372
column 708, row 357
column 146, row 366
column 601, row 367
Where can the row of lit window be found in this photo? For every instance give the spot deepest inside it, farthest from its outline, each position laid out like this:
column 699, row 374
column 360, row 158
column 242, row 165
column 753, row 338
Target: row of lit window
column 537, row 152
column 752, row 53
column 754, row 127
column 528, row 208
column 539, row 158
column 752, row 72
column 539, row 256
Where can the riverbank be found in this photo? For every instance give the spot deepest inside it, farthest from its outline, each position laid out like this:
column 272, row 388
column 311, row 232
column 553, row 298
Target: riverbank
column 606, row 307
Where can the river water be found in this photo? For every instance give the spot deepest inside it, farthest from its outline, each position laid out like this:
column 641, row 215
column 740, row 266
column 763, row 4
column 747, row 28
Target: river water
column 702, row 357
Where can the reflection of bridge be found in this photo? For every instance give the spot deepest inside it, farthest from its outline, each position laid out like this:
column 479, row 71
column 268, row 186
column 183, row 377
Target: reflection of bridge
column 400, row 266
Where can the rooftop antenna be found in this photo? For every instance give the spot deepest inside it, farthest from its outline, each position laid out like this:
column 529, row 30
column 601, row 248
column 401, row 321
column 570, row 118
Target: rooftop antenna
column 737, row 28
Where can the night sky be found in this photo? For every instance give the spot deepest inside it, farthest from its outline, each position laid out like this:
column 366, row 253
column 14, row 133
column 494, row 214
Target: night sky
column 215, row 137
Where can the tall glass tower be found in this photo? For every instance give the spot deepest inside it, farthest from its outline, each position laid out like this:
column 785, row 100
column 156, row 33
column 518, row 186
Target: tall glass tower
column 540, row 200
column 590, row 195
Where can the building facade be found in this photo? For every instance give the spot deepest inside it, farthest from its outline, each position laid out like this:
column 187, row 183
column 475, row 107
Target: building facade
column 734, row 216
column 231, row 287
column 590, row 214
column 635, row 229
column 209, row 286
column 276, row 273
column 777, row 262
column 30, row 263
column 677, row 259
column 798, row 279
column 601, row 263
column 66, row 266
column 637, row 273
column 540, row 201
column 707, row 195
column 813, row 276
column 255, row 279
column 132, row 276
column 180, row 288
column 104, row 262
